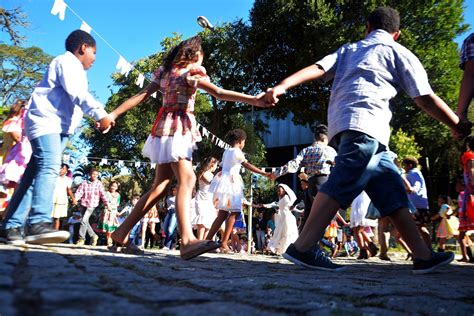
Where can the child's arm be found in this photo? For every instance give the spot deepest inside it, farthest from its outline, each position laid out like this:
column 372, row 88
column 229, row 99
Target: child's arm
column 439, row 110
column 466, row 91
column 73, row 198
column 229, row 95
column 250, row 167
column 134, row 101
column 306, row 74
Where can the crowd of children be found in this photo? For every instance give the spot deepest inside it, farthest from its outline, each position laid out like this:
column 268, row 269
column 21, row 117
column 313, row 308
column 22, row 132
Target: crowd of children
column 367, row 74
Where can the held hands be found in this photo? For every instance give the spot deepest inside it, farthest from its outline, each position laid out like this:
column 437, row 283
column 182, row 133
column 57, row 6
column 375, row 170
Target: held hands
column 272, row 94
column 104, row 125
column 462, row 129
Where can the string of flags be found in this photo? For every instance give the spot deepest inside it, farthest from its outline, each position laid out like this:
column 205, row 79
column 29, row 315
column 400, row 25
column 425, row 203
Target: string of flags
column 123, row 66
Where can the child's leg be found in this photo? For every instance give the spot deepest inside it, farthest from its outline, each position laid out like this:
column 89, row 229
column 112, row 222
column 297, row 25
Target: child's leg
column 163, row 176
column 322, row 212
column 463, row 245
column 407, row 228
column 441, row 244
column 201, row 231
column 143, row 236
column 383, row 236
column 216, row 225
column 229, row 226
column 56, row 223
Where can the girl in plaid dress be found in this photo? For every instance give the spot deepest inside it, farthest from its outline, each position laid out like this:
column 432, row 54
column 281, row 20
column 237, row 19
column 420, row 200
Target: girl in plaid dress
column 174, row 136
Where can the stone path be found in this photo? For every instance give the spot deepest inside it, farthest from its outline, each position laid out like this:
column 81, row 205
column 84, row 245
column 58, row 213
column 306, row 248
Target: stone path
column 68, row 280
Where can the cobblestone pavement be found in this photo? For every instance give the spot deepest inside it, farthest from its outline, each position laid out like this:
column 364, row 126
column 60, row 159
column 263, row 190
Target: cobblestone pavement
column 69, row 280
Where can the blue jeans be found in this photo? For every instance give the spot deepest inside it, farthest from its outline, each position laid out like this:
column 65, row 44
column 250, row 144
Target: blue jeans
column 362, row 163
column 170, row 227
column 33, row 198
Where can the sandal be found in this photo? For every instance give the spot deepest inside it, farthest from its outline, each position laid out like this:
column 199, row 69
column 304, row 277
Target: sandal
column 132, row 249
column 198, row 249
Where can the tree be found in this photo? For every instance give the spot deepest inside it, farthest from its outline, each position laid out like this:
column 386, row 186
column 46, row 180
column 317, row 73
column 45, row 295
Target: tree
column 404, row 145
column 20, row 71
column 10, row 20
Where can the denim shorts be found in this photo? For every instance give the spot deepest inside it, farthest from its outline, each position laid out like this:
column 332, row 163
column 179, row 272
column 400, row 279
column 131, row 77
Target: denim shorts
column 363, row 164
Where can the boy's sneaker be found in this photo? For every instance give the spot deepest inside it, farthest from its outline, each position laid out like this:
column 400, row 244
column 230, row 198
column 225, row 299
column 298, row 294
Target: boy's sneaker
column 80, row 242
column 12, row 236
column 437, row 260
column 310, row 259
column 44, row 233
column 93, row 242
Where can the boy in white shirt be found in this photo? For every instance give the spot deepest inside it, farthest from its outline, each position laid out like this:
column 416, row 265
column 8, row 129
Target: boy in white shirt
column 56, row 108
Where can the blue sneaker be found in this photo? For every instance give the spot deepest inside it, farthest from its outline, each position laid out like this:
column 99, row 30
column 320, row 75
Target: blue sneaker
column 314, row 260
column 438, row 259
column 12, row 236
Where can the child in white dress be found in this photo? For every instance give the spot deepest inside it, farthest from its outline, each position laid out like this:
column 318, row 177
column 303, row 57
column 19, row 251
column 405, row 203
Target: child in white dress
column 205, row 210
column 286, row 229
column 228, row 186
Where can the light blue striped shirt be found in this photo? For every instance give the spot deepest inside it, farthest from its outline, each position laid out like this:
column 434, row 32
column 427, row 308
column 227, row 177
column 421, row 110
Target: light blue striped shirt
column 367, row 74
column 57, row 104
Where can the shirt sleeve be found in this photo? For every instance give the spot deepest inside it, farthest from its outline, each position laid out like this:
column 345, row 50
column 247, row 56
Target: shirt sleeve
column 79, row 192
column 74, row 82
column 411, row 76
column 467, row 51
column 239, row 156
column 103, row 197
column 329, row 64
column 292, row 166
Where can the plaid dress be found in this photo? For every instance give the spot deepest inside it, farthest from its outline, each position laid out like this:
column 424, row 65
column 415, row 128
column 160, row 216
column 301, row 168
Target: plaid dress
column 175, row 133
column 467, row 51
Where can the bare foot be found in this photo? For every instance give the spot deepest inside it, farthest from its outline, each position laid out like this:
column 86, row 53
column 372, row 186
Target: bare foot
column 119, row 238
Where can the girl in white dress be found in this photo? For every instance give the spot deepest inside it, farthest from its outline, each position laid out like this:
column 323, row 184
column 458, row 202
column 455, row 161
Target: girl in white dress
column 205, row 210
column 286, row 229
column 228, row 186
column 359, row 225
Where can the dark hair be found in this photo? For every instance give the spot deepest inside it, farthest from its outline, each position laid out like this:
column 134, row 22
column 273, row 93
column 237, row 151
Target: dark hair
column 92, row 169
column 65, row 165
column 112, row 182
column 77, row 38
column 385, row 18
column 469, row 141
column 235, row 136
column 182, row 54
column 206, row 165
column 410, row 161
column 17, row 108
column 320, row 132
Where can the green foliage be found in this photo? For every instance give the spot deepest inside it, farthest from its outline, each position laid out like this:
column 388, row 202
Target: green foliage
column 20, row 71
column 404, row 145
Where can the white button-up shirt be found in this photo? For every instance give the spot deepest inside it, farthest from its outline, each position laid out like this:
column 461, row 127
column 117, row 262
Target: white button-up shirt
column 367, row 74
column 57, row 104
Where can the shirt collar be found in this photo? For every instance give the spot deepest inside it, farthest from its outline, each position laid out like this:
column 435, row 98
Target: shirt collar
column 380, row 35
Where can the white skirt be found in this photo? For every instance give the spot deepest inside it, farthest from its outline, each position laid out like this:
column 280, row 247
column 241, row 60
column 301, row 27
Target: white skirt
column 206, row 213
column 359, row 209
column 166, row 149
column 228, row 191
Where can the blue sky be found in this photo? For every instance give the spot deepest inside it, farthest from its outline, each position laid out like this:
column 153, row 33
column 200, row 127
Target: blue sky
column 134, row 28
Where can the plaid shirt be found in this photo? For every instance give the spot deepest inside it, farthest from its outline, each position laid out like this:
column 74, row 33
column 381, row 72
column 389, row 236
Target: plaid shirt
column 467, row 50
column 90, row 193
column 178, row 88
column 316, row 159
column 367, row 75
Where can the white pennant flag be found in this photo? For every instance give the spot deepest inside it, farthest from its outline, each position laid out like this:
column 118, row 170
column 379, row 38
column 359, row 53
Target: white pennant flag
column 103, row 161
column 85, row 27
column 205, row 132
column 120, row 163
column 273, row 170
column 154, row 95
column 137, row 164
column 59, row 7
column 153, row 165
column 140, row 80
column 84, row 160
column 123, row 66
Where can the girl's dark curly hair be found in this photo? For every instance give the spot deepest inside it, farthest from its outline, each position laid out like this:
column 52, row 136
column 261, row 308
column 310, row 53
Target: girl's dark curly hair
column 235, row 136
column 182, row 54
